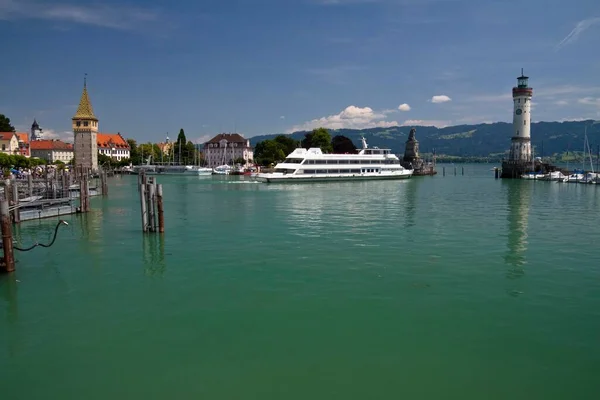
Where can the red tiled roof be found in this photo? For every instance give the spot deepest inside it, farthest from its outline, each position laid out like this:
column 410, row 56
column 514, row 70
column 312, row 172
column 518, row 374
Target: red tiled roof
column 50, row 145
column 109, row 140
column 6, row 135
column 230, row 137
column 23, row 137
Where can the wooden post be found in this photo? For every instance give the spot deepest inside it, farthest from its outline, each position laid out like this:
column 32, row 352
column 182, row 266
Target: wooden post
column 64, row 184
column 159, row 204
column 443, row 171
column 463, row 170
column 455, row 170
column 105, row 188
column 151, row 205
column 86, row 175
column 46, row 195
column 143, row 204
column 7, row 239
column 15, row 202
column 81, row 190
column 30, row 184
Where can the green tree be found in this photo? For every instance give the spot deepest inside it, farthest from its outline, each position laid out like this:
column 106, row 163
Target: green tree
column 342, row 145
column 5, row 125
column 190, row 153
column 268, row 152
column 181, row 142
column 318, row 138
column 134, row 152
column 287, row 143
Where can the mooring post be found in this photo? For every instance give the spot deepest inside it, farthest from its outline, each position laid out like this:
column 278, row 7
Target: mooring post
column 30, row 184
column 81, row 190
column 143, row 204
column 443, row 171
column 7, row 239
column 65, row 188
column 455, row 170
column 105, row 190
column 151, row 205
column 47, row 194
column 159, row 204
column 86, row 175
column 15, row 202
column 463, row 170
column 496, row 172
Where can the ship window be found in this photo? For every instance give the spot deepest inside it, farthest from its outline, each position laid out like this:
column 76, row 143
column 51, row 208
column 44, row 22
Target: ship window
column 343, row 161
column 524, row 122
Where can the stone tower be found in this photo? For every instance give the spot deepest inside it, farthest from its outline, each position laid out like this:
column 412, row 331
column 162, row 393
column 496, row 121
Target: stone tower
column 520, row 147
column 85, row 129
column 36, row 131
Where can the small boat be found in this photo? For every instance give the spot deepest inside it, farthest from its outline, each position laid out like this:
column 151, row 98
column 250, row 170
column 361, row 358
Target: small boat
column 222, row 170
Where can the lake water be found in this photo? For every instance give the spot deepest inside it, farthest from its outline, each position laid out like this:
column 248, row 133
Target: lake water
column 435, row 287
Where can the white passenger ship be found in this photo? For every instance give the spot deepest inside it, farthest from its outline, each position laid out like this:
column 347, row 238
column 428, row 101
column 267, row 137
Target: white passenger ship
column 313, row 165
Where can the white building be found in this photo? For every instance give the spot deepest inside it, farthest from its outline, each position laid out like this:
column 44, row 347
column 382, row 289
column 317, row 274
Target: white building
column 51, row 150
column 225, row 148
column 520, row 148
column 113, row 145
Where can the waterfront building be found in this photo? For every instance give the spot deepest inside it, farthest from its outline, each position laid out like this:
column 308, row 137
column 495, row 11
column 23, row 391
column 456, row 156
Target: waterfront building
column 225, row 148
column 23, row 139
column 85, row 130
column 52, row 150
column 113, row 145
column 9, row 143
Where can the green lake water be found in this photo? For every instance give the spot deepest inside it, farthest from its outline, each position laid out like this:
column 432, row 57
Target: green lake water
column 455, row 287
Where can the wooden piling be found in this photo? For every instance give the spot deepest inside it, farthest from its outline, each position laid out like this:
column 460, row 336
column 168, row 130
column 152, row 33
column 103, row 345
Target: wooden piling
column 496, row 172
column 7, row 238
column 463, row 170
column 151, row 192
column 159, row 204
column 455, row 171
column 30, row 184
column 142, row 187
column 443, row 171
column 16, row 214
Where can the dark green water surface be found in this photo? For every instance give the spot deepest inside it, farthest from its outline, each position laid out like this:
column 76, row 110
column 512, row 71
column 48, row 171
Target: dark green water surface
column 455, row 287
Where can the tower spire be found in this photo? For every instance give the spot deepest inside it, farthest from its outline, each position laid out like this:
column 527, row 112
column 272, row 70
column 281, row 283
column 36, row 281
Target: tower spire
column 85, row 110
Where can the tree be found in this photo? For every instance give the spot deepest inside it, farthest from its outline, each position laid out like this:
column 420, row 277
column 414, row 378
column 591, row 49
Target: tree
column 318, row 138
column 134, row 153
column 288, row 144
column 268, row 152
column 342, row 145
column 190, row 155
column 5, row 125
column 181, row 141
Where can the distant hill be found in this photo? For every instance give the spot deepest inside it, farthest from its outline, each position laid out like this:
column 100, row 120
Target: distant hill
column 480, row 140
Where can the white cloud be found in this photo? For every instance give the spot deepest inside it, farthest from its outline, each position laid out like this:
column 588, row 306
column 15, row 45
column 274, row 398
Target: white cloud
column 282, row 117
column 561, row 103
column 425, row 122
column 590, row 101
column 114, row 17
column 65, row 136
column 352, row 117
column 202, row 139
column 442, row 98
column 404, row 107
column 581, row 27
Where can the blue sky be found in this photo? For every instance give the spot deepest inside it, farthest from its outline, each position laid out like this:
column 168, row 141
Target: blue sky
column 270, row 66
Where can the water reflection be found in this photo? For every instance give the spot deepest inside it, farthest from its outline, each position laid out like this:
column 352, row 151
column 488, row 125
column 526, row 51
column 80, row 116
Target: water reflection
column 410, row 209
column 153, row 254
column 8, row 295
column 518, row 203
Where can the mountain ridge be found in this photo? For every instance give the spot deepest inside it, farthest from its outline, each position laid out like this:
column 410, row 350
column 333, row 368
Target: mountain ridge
column 478, row 140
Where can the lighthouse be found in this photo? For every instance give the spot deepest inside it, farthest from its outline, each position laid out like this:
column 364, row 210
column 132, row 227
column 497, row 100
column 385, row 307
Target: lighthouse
column 520, row 148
